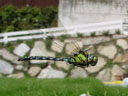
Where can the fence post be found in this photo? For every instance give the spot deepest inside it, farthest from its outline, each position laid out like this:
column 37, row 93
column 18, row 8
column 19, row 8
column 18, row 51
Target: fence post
column 125, row 28
column 121, row 27
column 5, row 38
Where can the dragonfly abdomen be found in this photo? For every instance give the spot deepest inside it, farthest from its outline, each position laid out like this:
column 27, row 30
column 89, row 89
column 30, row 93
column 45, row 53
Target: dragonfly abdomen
column 44, row 58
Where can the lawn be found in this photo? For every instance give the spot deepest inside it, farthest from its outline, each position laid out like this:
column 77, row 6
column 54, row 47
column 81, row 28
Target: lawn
column 58, row 87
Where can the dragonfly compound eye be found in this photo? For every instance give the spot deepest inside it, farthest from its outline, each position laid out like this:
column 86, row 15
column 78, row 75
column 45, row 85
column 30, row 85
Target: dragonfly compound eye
column 95, row 59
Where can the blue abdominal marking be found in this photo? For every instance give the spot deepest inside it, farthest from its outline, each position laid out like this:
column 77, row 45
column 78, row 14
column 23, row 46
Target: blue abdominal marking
column 51, row 58
column 71, row 59
column 31, row 58
column 36, row 57
column 57, row 59
column 66, row 59
column 43, row 58
column 28, row 58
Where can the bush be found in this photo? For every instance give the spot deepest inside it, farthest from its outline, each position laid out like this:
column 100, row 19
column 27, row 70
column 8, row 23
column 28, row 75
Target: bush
column 63, row 37
column 7, row 44
column 15, row 19
column 1, row 44
column 10, row 49
column 19, row 41
column 117, row 31
column 50, row 16
column 48, row 42
column 80, row 35
column 106, row 33
column 93, row 34
column 30, row 43
column 9, row 28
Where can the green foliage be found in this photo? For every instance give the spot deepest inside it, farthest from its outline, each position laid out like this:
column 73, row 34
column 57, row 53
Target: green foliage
column 93, row 34
column 43, row 65
column 10, row 49
column 106, row 33
column 48, row 42
column 117, row 32
column 50, row 37
column 30, row 18
column 50, row 16
column 6, row 44
column 63, row 37
column 127, row 71
column 58, row 87
column 9, row 28
column 19, row 41
column 14, row 19
column 8, row 15
column 80, row 35
column 1, row 45
column 30, row 43
column 110, row 64
column 10, row 45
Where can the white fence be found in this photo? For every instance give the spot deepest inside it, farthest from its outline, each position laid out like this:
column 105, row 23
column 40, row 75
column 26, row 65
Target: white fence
column 72, row 30
column 125, row 28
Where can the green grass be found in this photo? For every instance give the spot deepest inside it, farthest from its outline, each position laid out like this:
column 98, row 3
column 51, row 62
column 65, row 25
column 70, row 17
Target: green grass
column 57, row 87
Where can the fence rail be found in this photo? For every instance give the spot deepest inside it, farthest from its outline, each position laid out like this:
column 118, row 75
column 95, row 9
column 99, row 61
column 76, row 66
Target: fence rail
column 85, row 29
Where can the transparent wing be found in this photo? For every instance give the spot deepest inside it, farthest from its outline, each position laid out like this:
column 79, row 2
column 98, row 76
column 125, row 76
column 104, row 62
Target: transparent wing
column 76, row 48
column 87, row 49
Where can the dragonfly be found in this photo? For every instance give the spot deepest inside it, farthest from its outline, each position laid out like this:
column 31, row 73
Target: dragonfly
column 80, row 58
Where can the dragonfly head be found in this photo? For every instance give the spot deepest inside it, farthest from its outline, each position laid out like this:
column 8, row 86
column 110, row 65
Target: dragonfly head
column 93, row 59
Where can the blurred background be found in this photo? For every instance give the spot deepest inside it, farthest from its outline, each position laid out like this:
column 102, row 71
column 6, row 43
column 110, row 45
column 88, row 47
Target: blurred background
column 57, row 28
